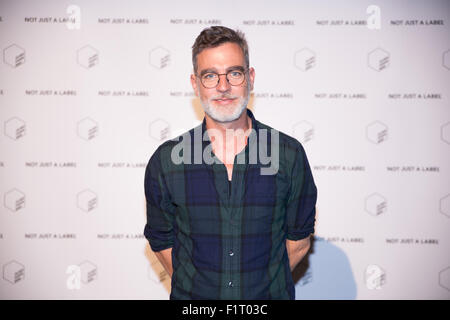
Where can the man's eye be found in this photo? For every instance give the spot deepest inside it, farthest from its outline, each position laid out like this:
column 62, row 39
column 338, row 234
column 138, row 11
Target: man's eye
column 209, row 76
column 235, row 74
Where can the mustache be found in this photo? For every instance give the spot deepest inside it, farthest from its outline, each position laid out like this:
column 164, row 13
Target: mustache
column 224, row 96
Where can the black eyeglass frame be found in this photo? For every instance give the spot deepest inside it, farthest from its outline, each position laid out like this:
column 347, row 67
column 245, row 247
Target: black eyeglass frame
column 244, row 71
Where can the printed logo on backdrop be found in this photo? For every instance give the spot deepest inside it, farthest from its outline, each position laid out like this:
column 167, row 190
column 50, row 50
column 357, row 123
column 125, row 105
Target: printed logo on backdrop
column 444, row 205
column 49, row 92
column 50, row 236
column 446, row 59
column 13, row 272
column 123, row 20
column 373, row 20
column 122, row 165
column 159, row 130
column 87, row 200
column 273, row 95
column 374, row 277
column 14, row 56
column 415, row 96
column 14, row 128
column 445, row 132
column 269, row 23
column 159, row 57
column 87, row 129
column 377, row 132
column 376, row 204
column 14, row 200
column 378, row 59
column 416, row 22
column 85, row 273
column 343, row 240
column 344, row 168
column 195, row 21
column 74, row 19
column 412, row 241
column 304, row 59
column 120, row 236
column 341, row 95
column 87, row 57
column 303, row 131
column 123, row 93
column 444, row 278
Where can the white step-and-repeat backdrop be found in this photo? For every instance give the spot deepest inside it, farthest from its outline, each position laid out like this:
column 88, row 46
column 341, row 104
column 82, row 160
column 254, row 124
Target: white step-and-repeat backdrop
column 89, row 89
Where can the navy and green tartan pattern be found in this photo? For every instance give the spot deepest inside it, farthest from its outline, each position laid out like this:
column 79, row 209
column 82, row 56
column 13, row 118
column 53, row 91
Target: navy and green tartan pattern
column 230, row 245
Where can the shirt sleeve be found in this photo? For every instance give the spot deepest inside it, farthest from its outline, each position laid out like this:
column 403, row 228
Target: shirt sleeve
column 301, row 204
column 159, row 227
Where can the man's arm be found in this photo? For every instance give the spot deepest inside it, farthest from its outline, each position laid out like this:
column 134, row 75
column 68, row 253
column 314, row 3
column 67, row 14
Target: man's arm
column 165, row 257
column 297, row 250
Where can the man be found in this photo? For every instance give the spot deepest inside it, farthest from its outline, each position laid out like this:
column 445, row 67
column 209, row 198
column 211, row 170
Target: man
column 227, row 226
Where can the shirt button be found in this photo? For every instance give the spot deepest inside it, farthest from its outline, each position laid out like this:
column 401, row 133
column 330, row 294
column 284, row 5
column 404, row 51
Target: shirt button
column 230, row 284
column 231, row 253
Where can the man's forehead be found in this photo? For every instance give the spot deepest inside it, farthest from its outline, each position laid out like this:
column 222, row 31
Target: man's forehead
column 221, row 57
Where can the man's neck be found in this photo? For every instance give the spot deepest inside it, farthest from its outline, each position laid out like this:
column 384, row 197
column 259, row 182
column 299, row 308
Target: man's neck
column 230, row 138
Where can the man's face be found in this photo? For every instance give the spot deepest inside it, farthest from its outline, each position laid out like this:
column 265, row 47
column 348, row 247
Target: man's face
column 225, row 102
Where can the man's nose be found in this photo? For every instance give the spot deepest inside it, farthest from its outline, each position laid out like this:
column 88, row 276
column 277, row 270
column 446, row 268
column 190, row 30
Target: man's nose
column 223, row 84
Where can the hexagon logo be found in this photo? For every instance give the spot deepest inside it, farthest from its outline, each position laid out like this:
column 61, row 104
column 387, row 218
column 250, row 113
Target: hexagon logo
column 304, row 59
column 88, row 272
column 445, row 132
column 444, row 278
column 375, row 204
column 374, row 277
column 87, row 200
column 87, row 57
column 444, row 205
column 14, row 56
column 14, row 200
column 159, row 57
column 446, row 59
column 303, row 131
column 14, row 128
column 377, row 132
column 378, row 59
column 159, row 130
column 87, row 129
column 13, row 272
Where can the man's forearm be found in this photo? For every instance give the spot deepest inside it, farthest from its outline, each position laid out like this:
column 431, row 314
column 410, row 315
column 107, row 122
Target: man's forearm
column 165, row 257
column 296, row 251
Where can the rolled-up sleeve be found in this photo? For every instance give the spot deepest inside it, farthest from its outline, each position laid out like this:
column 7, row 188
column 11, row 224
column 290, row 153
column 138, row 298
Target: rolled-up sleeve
column 301, row 204
column 159, row 227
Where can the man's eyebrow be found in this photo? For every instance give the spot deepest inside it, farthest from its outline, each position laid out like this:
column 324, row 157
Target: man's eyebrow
column 240, row 68
column 204, row 71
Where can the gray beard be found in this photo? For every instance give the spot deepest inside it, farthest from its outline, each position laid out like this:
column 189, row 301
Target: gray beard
column 217, row 116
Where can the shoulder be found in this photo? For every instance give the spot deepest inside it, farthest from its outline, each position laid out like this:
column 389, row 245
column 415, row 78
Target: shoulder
column 162, row 156
column 287, row 143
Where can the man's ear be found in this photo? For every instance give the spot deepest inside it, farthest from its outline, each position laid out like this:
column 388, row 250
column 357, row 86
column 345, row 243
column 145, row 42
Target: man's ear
column 194, row 84
column 251, row 74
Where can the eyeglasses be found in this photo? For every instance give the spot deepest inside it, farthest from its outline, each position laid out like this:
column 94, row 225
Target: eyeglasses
column 211, row 79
